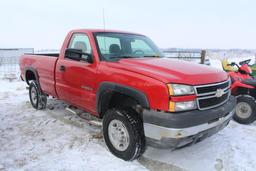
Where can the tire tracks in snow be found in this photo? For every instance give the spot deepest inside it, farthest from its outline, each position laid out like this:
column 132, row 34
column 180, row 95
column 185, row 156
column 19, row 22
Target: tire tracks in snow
column 96, row 133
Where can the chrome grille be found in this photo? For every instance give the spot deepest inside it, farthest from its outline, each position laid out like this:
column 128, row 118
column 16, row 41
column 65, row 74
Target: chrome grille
column 208, row 95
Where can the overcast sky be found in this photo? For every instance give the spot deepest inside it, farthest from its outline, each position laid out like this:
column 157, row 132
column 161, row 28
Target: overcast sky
column 170, row 23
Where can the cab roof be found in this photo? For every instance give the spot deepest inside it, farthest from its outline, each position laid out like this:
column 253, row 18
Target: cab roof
column 101, row 30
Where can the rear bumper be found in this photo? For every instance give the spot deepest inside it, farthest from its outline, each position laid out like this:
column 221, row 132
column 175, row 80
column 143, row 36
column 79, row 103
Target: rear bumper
column 177, row 130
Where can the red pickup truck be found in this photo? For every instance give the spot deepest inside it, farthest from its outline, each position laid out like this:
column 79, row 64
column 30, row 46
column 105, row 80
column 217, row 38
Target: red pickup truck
column 141, row 97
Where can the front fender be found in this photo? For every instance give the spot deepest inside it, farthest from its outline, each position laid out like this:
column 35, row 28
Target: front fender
column 242, row 85
column 107, row 88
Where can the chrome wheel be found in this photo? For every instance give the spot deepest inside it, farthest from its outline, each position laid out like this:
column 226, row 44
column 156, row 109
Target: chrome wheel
column 243, row 110
column 118, row 135
column 34, row 96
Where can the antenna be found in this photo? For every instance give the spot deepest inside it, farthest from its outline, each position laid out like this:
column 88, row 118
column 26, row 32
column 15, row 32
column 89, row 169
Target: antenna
column 103, row 18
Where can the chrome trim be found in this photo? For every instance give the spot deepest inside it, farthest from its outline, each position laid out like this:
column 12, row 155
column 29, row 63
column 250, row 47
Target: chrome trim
column 209, row 85
column 210, row 107
column 158, row 132
column 212, row 94
column 86, row 87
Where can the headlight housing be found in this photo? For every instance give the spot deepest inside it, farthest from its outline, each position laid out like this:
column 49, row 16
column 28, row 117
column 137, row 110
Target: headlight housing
column 182, row 106
column 180, row 89
column 185, row 95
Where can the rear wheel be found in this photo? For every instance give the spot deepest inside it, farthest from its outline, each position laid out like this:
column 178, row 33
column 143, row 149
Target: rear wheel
column 37, row 98
column 245, row 112
column 123, row 133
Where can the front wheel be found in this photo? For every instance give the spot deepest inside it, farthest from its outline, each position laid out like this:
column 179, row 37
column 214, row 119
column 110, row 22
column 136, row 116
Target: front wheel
column 123, row 133
column 245, row 112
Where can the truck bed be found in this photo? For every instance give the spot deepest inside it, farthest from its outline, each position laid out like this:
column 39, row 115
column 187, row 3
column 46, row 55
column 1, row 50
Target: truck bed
column 45, row 65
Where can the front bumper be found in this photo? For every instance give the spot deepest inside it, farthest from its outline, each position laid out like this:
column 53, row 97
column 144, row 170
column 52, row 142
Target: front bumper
column 174, row 130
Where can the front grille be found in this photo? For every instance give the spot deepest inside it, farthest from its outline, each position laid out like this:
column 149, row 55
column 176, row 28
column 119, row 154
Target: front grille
column 213, row 88
column 213, row 101
column 207, row 96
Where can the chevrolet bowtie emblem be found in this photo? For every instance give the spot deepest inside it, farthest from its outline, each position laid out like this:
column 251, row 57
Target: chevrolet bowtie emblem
column 219, row 92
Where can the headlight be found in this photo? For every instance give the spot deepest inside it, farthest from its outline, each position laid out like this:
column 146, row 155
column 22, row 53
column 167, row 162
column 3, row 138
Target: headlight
column 179, row 89
column 186, row 92
column 182, row 106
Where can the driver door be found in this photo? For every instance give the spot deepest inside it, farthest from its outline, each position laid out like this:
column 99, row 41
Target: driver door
column 75, row 80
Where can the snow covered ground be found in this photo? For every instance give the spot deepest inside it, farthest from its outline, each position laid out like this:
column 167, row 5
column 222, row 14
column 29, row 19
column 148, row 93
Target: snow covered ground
column 55, row 139
column 51, row 139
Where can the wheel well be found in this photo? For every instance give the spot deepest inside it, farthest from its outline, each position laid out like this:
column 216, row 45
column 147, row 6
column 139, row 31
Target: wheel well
column 118, row 100
column 30, row 75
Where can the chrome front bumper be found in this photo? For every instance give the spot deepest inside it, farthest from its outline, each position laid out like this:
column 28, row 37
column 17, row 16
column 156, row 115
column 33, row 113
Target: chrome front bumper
column 174, row 130
column 158, row 132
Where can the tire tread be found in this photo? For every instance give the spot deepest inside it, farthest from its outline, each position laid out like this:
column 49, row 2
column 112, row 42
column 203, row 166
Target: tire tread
column 133, row 119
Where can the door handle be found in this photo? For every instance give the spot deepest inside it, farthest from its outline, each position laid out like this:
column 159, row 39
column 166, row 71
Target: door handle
column 62, row 68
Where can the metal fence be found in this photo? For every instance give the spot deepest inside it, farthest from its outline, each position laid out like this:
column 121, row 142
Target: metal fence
column 192, row 55
column 9, row 62
column 9, row 67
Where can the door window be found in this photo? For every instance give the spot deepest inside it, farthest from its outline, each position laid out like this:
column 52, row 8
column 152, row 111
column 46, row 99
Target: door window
column 81, row 41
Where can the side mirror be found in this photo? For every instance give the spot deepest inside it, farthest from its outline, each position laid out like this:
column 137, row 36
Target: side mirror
column 78, row 55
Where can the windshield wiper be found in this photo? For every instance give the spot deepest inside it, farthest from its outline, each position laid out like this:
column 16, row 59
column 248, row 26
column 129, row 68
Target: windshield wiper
column 124, row 57
column 120, row 57
column 152, row 56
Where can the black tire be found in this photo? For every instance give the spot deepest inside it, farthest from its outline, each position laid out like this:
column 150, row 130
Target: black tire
column 37, row 98
column 134, row 125
column 248, row 114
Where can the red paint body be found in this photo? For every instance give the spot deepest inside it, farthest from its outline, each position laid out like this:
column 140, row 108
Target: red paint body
column 148, row 75
column 237, row 78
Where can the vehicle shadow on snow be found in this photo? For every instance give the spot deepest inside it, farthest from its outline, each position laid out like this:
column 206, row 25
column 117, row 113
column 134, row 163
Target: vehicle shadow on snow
column 57, row 110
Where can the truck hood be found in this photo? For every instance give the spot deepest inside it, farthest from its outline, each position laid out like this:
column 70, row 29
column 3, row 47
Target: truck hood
column 172, row 70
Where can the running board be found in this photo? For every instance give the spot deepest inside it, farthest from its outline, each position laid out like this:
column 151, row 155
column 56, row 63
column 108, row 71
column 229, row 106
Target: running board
column 86, row 116
column 71, row 111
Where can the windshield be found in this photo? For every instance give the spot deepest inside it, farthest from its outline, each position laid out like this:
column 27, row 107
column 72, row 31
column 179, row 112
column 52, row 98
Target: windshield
column 122, row 45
